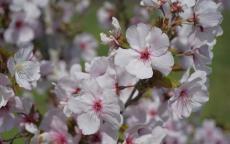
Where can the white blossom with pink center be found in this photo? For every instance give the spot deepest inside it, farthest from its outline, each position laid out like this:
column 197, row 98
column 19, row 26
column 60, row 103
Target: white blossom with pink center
column 149, row 50
column 191, row 94
column 94, row 107
column 22, row 66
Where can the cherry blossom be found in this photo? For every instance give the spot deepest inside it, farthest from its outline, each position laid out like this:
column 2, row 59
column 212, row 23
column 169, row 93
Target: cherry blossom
column 82, row 5
column 112, row 77
column 58, row 133
column 206, row 17
column 141, row 15
column 148, row 51
column 189, row 96
column 28, row 117
column 105, row 14
column 25, row 70
column 8, row 104
column 94, row 107
column 19, row 30
column 209, row 133
column 113, row 39
column 69, row 86
column 86, row 44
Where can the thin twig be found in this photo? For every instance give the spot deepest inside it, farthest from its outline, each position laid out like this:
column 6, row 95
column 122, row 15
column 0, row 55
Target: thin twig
column 132, row 94
column 130, row 97
column 11, row 140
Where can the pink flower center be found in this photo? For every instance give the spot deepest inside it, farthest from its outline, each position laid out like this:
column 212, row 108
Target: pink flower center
column 97, row 106
column 18, row 24
column 129, row 140
column 29, row 118
column 209, row 133
column 82, row 45
column 176, row 7
column 184, row 93
column 77, row 91
column 152, row 112
column 145, row 55
column 96, row 138
column 60, row 138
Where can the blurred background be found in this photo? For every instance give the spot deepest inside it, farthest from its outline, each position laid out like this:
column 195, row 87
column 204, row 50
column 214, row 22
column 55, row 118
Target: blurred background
column 217, row 108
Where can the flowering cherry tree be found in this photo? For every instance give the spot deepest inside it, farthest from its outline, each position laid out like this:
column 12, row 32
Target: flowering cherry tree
column 126, row 96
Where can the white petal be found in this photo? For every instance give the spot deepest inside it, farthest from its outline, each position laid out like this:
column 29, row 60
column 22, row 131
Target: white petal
column 31, row 10
column 77, row 74
column 99, row 66
column 116, row 24
column 185, row 76
column 89, row 123
column 145, row 139
column 208, row 13
column 210, row 18
column 180, row 108
column 136, row 35
column 124, row 56
column 24, row 53
column 75, row 68
column 163, row 63
column 189, row 3
column 106, row 81
column 158, row 134
column 32, row 128
column 8, row 35
column 140, row 69
column 28, row 70
column 105, row 39
column 155, row 137
column 79, row 105
column 199, row 98
column 115, row 120
column 148, row 3
column 22, row 82
column 25, row 35
column 3, row 102
column 198, row 75
column 92, row 86
column 158, row 41
column 11, row 66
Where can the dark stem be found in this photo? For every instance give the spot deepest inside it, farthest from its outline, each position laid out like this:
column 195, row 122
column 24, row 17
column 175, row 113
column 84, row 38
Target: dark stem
column 136, row 99
column 162, row 10
column 11, row 140
column 157, row 80
column 130, row 97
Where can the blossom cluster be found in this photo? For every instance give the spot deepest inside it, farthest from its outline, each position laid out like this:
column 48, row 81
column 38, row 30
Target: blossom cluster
column 128, row 96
